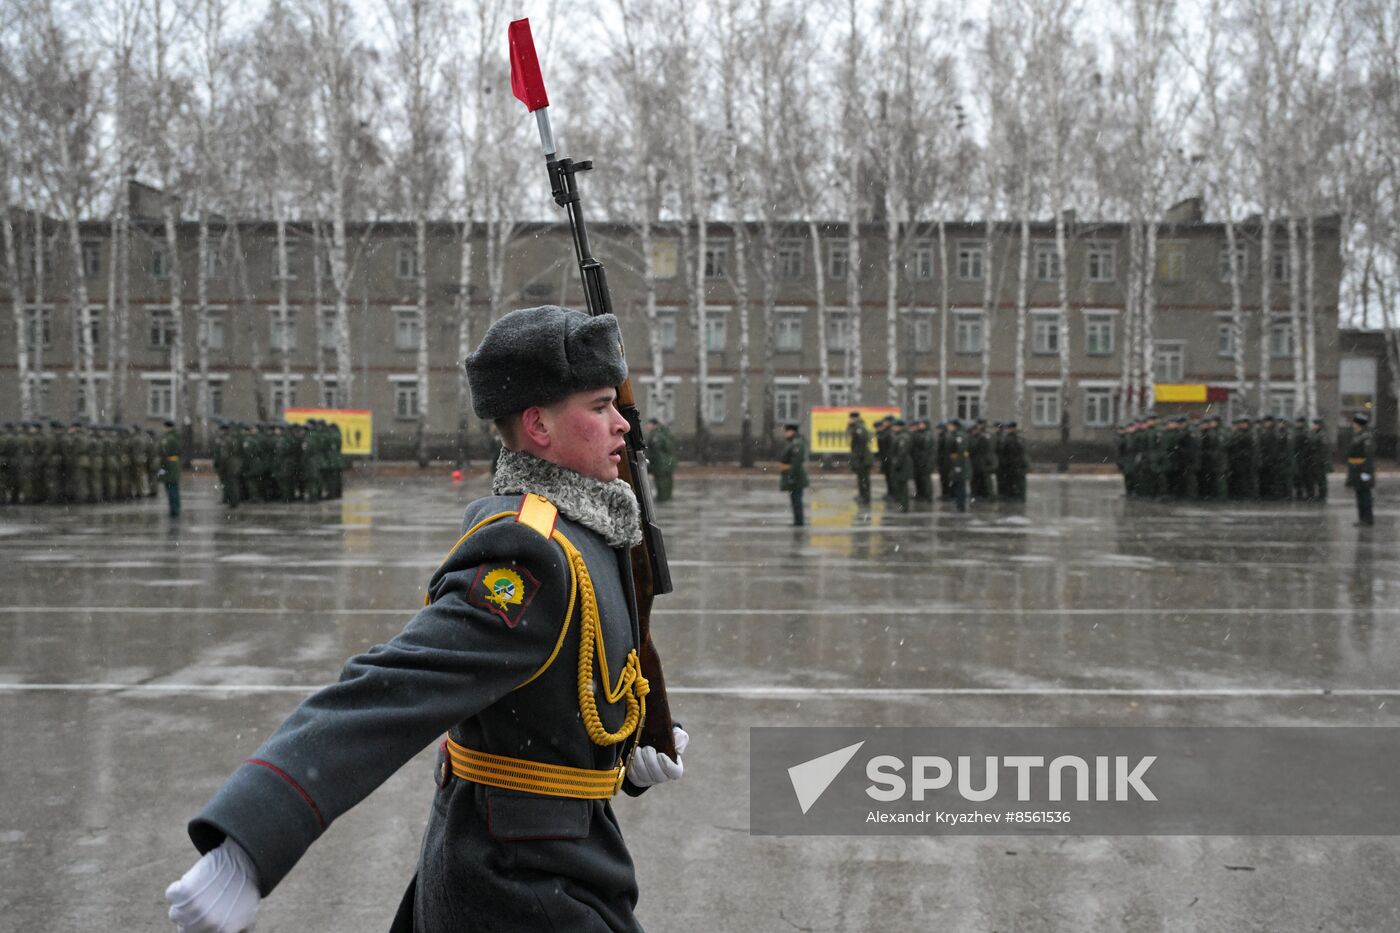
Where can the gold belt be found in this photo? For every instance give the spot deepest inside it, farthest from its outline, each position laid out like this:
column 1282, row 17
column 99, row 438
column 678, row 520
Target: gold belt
column 532, row 776
column 1356, row 461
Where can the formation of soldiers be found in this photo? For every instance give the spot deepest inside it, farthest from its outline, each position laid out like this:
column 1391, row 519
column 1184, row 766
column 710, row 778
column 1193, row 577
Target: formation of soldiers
column 1179, row 458
column 48, row 462
column 980, row 461
column 278, row 462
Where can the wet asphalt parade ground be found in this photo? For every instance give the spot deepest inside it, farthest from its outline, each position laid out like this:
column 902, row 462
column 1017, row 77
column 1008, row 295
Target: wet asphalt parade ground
column 142, row 658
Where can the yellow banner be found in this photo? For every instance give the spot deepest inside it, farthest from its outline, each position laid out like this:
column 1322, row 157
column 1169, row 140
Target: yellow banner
column 356, row 425
column 828, row 434
column 1167, row 392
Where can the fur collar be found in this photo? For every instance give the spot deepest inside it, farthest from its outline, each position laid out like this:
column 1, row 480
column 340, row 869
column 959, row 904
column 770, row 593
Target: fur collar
column 610, row 509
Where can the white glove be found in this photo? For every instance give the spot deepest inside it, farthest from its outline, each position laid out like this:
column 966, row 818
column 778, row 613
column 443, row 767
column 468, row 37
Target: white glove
column 650, row 767
column 218, row 895
column 1365, row 477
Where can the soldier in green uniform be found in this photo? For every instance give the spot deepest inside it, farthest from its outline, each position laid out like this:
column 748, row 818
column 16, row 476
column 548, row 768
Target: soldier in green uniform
column 334, row 443
column 661, row 457
column 216, row 455
column 984, row 461
column 539, row 694
column 793, row 479
column 1242, row 456
column 26, row 462
column 1284, row 434
column 1215, row 461
column 884, row 440
column 170, row 467
column 1012, row 464
column 1122, row 441
column 231, row 447
column 283, row 461
column 1361, row 468
column 861, row 457
column 1319, row 460
column 8, row 452
column 126, row 462
column 959, row 464
column 921, row 452
column 1301, row 460
column 80, row 463
column 66, row 456
column 1190, row 458
column 311, row 461
column 901, row 463
column 945, row 472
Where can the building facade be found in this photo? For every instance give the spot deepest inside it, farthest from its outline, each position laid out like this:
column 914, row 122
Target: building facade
column 257, row 366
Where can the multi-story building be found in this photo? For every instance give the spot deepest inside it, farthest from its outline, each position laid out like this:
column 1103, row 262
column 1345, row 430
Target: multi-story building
column 257, row 366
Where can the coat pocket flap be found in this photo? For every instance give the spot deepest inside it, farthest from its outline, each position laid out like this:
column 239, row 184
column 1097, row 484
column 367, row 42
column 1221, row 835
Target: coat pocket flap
column 515, row 817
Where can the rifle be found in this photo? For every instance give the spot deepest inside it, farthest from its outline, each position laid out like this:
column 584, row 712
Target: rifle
column 651, row 575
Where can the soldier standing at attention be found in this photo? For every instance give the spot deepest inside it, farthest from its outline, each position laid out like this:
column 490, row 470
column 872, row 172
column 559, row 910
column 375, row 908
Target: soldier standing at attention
column 661, row 457
column 7, row 459
column 984, row 461
column 794, row 469
column 861, row 458
column 170, row 467
column 945, row 475
column 525, row 653
column 1014, row 465
column 1361, row 468
column 959, row 463
column 901, row 463
column 1320, row 450
column 884, row 440
column 921, row 452
column 1302, row 460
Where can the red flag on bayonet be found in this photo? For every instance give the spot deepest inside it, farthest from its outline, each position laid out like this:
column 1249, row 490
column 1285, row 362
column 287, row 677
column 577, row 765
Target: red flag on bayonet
column 526, row 82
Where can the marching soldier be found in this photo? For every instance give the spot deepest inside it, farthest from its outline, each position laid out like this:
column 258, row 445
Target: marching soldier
column 1361, row 468
column 861, row 458
column 661, row 457
column 794, row 469
column 540, row 694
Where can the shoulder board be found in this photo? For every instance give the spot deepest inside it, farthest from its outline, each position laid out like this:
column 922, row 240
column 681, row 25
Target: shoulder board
column 538, row 513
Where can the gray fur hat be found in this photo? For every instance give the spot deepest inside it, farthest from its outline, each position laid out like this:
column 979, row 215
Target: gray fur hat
column 536, row 356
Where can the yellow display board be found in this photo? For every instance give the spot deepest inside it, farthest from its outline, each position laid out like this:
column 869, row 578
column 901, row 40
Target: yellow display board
column 828, row 434
column 1173, row 392
column 356, row 425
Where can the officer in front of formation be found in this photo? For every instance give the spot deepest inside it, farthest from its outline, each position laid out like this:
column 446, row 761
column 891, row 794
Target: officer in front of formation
column 793, row 464
column 861, row 458
column 1361, row 468
column 661, row 458
column 525, row 654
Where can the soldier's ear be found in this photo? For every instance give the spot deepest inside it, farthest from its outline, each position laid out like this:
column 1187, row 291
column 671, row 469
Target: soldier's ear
column 535, row 426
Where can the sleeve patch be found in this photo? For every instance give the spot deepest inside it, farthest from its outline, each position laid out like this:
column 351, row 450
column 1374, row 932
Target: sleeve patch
column 505, row 590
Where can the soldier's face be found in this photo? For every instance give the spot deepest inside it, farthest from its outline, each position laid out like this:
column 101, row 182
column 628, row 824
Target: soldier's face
column 586, row 433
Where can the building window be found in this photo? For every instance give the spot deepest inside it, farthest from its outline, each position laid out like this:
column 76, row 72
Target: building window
column 787, row 333
column 1045, row 333
column 283, row 337
column 787, row 404
column 661, row 403
column 1171, row 262
column 327, row 328
column 790, row 262
column 330, row 393
column 214, row 260
column 840, row 394
column 216, row 330
column 216, row 398
column 160, row 399
column 94, row 326
column 1100, row 258
column 1047, row 263
column 921, row 403
column 716, row 260
column 92, row 259
column 1282, row 266
column 39, row 396
column 160, row 263
column 407, row 265
column 838, row 253
column 666, row 329
column 923, row 260
column 1098, row 334
column 716, row 331
column 1224, row 338
column 923, row 333
column 284, row 396
column 1098, row 407
column 967, row 333
column 714, row 404
column 1282, row 404
column 406, row 399
column 162, row 331
column 291, row 271
column 38, row 328
column 838, row 331
column 968, row 403
column 80, row 396
column 406, row 327
column 970, row 255
column 1241, row 262
column 1045, row 406
column 1281, row 344
column 1170, row 362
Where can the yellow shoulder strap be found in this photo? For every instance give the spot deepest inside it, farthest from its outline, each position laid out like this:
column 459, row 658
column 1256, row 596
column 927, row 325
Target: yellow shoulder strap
column 538, row 513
